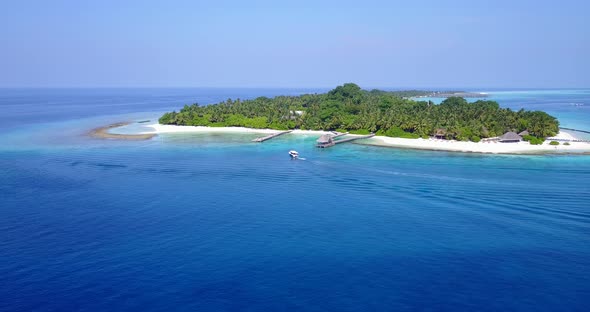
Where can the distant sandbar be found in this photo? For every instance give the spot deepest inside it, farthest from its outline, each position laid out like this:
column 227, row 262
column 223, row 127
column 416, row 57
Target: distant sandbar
column 103, row 133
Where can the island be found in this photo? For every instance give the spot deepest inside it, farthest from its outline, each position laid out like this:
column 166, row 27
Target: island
column 381, row 118
column 348, row 108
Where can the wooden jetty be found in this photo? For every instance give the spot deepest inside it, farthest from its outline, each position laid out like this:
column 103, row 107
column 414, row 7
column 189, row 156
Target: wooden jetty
column 354, row 138
column 327, row 140
column 338, row 134
column 270, row 136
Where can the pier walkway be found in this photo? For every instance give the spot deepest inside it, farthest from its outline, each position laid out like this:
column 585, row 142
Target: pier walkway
column 338, row 134
column 327, row 140
column 354, row 138
column 270, row 136
column 567, row 140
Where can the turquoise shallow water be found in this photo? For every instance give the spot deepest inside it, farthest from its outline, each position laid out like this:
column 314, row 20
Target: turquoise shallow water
column 216, row 223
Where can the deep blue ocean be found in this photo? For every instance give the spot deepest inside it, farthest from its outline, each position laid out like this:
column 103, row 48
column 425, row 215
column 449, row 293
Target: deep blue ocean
column 204, row 222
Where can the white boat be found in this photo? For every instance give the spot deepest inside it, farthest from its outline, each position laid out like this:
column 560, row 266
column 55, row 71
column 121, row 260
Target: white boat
column 294, row 154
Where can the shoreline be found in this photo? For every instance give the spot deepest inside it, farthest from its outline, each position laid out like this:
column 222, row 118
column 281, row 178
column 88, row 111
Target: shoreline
column 520, row 148
column 103, row 133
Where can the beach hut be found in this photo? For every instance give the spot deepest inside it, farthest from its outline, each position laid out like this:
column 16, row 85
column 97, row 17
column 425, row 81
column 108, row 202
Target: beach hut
column 523, row 133
column 325, row 140
column 440, row 133
column 510, row 137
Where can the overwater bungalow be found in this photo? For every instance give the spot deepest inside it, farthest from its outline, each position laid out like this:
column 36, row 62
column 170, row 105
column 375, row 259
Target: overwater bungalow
column 325, row 140
column 510, row 137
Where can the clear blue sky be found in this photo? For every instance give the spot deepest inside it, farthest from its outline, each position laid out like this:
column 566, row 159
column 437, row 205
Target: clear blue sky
column 301, row 43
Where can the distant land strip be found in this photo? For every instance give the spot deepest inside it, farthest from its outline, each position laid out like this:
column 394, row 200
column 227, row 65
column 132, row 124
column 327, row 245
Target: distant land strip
column 577, row 130
column 448, row 94
column 103, row 133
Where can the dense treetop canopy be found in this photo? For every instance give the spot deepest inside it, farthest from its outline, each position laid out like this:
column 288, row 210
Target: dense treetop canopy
column 349, row 108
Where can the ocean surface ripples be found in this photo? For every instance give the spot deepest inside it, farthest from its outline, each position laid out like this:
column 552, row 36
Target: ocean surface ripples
column 216, row 223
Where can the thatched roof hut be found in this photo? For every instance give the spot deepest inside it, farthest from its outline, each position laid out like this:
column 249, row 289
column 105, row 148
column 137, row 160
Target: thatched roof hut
column 510, row 137
column 326, row 140
column 440, row 133
column 523, row 133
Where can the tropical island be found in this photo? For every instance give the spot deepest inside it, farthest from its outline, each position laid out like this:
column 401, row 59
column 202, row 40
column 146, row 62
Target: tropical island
column 348, row 108
column 382, row 118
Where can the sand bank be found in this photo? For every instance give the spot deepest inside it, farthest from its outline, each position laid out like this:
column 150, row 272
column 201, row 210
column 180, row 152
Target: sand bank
column 103, row 133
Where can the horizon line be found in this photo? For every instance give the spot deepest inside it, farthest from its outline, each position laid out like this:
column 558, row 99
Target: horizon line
column 403, row 88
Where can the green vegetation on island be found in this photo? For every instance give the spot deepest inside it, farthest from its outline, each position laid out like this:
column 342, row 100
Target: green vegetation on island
column 389, row 113
column 533, row 140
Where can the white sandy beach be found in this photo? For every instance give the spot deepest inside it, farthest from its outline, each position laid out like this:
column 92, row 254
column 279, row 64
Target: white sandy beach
column 481, row 147
column 426, row 144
